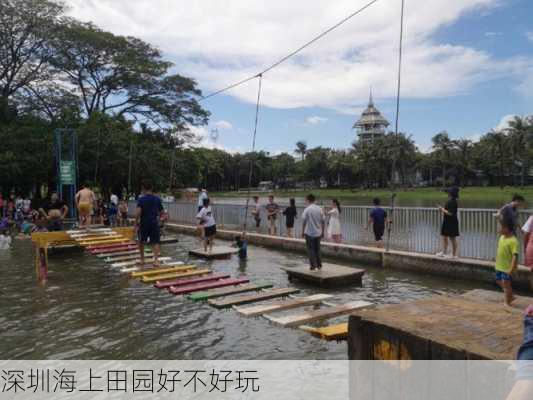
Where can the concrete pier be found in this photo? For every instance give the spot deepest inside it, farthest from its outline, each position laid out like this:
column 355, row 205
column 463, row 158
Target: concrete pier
column 463, row 268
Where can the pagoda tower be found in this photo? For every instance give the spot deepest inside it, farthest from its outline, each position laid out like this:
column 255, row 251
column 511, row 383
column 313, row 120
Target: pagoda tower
column 372, row 124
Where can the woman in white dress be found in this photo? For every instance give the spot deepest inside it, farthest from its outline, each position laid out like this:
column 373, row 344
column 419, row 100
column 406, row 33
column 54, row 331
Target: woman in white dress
column 334, row 231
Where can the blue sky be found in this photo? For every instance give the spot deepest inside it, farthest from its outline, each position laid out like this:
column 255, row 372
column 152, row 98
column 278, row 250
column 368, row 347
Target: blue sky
column 468, row 64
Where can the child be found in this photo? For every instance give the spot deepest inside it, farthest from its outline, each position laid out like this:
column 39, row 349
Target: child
column 242, row 244
column 123, row 210
column 506, row 261
column 290, row 215
column 5, row 240
column 378, row 220
column 206, row 222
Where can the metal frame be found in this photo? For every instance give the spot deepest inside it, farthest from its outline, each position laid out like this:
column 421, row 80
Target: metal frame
column 72, row 153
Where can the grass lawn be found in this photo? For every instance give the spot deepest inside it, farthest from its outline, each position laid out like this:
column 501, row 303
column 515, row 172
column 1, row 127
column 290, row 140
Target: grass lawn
column 485, row 196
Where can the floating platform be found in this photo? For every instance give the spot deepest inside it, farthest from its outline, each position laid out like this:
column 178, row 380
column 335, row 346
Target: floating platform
column 119, row 253
column 147, row 260
column 174, row 275
column 253, row 311
column 318, row 315
column 183, row 282
column 156, row 271
column 475, row 325
column 208, row 285
column 133, row 256
column 329, row 275
column 266, row 295
column 331, row 332
column 112, row 246
column 212, row 294
column 217, row 252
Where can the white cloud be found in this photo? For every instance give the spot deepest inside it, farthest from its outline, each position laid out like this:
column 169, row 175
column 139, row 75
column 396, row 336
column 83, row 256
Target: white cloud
column 219, row 43
column 315, row 120
column 222, row 124
column 529, row 36
column 491, row 34
column 504, row 122
column 203, row 139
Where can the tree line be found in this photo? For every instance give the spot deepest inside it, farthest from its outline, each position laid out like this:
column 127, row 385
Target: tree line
column 133, row 116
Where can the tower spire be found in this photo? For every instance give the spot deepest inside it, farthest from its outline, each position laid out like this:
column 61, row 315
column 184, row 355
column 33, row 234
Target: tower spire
column 370, row 99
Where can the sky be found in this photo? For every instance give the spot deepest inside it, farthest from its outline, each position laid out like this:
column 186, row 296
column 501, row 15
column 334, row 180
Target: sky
column 467, row 64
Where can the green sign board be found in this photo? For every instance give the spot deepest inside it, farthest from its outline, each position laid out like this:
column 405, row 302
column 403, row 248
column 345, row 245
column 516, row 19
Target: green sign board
column 67, row 173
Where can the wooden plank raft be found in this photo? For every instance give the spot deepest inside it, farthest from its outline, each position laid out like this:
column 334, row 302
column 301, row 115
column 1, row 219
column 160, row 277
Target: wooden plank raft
column 209, row 285
column 217, row 252
column 266, row 295
column 111, row 250
column 253, row 311
column 329, row 275
column 127, row 257
column 212, row 294
column 110, row 246
column 155, row 271
column 120, row 253
column 92, row 242
column 148, row 260
column 330, row 332
column 318, row 315
column 174, row 275
column 182, row 282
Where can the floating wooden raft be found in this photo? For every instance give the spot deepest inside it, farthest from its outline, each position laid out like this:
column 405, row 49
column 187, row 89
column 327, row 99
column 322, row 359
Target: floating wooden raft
column 149, row 267
column 128, row 257
column 120, row 248
column 111, row 245
column 156, row 271
column 182, row 282
column 331, row 332
column 266, row 295
column 329, row 275
column 317, row 315
column 252, row 311
column 174, row 275
column 148, row 260
column 120, row 253
column 211, row 294
column 92, row 242
column 217, row 252
column 207, row 285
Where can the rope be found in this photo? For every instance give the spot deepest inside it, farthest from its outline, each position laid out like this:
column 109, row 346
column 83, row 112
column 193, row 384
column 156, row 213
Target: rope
column 252, row 159
column 398, row 92
column 293, row 53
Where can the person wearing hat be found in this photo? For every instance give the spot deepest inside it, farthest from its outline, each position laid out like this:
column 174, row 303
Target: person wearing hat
column 450, row 223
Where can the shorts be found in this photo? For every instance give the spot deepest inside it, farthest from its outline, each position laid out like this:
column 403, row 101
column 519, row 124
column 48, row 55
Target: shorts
column 503, row 276
column 289, row 224
column 84, row 208
column 124, row 214
column 55, row 225
column 257, row 222
column 210, row 231
column 149, row 234
column 379, row 230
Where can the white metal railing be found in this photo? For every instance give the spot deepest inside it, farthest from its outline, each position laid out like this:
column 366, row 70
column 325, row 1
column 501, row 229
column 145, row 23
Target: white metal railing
column 414, row 229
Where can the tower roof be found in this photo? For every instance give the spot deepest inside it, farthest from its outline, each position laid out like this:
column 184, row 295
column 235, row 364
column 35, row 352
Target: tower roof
column 371, row 116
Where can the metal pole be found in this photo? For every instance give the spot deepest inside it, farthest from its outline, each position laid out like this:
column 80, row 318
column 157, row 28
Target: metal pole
column 129, row 167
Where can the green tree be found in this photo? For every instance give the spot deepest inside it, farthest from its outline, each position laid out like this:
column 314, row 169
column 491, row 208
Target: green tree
column 301, row 149
column 443, row 145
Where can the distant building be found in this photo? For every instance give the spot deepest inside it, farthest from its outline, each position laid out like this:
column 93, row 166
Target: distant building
column 372, row 124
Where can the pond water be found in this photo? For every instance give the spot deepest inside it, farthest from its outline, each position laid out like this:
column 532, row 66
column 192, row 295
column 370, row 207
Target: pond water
column 88, row 311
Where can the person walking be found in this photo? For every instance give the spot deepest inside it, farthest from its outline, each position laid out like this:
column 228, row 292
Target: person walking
column 290, row 215
column 528, row 242
column 85, row 201
column 256, row 213
column 508, row 214
column 378, row 220
column 313, row 231
column 149, row 206
column 334, row 231
column 207, row 225
column 450, row 223
column 272, row 209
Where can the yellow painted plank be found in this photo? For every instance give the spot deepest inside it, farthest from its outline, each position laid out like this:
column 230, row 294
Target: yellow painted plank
column 157, row 271
column 108, row 241
column 162, row 277
column 331, row 332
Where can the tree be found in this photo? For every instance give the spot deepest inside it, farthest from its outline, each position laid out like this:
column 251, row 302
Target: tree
column 443, row 145
column 124, row 76
column 25, row 29
column 499, row 145
column 301, row 149
column 519, row 132
column 464, row 148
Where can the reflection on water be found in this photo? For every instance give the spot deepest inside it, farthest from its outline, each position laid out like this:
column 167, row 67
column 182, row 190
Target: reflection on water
column 89, row 311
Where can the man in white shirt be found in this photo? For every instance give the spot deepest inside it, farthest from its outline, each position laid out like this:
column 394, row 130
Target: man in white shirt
column 201, row 197
column 313, row 230
column 207, row 223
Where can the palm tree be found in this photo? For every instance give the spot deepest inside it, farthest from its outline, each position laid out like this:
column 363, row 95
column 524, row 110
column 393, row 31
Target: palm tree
column 464, row 146
column 442, row 144
column 498, row 142
column 301, row 148
column 519, row 131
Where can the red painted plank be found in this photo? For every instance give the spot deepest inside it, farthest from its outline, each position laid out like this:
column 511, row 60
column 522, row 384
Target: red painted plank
column 114, row 249
column 208, row 285
column 109, row 246
column 183, row 282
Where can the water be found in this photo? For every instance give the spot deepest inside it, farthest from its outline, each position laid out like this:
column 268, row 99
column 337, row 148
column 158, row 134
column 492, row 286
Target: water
column 89, row 311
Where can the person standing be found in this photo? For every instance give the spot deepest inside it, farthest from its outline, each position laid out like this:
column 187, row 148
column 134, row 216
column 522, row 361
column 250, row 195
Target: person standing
column 256, row 213
column 506, row 261
column 208, row 226
column 313, row 231
column 123, row 212
column 55, row 211
column 378, row 220
column 334, row 223
column 450, row 223
column 528, row 242
column 508, row 214
column 290, row 215
column 149, row 207
column 272, row 209
column 85, row 201
column 202, row 195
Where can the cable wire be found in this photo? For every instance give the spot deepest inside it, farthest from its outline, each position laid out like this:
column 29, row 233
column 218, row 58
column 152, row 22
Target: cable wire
column 293, row 53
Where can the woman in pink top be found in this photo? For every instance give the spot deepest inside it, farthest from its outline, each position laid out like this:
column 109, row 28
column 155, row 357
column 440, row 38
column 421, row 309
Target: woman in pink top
column 528, row 242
